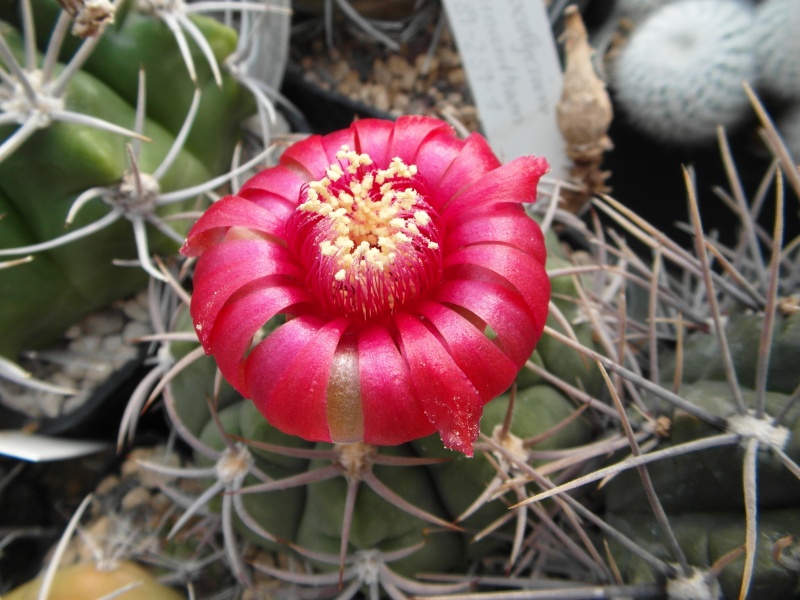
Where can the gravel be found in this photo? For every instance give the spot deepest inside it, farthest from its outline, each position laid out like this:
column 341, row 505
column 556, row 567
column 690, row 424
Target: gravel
column 89, row 353
column 415, row 81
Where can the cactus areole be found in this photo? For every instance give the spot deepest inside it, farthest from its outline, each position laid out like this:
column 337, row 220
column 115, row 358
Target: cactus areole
column 410, row 280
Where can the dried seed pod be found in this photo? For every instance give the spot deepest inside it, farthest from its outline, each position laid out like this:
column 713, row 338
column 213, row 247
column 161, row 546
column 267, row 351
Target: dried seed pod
column 584, row 113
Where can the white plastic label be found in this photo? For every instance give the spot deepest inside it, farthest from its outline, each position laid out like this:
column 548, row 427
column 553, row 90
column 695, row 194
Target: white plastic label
column 42, row 448
column 511, row 63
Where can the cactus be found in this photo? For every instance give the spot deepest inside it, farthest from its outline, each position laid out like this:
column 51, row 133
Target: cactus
column 377, row 522
column 718, row 504
column 361, row 517
column 680, row 74
column 666, row 379
column 101, row 143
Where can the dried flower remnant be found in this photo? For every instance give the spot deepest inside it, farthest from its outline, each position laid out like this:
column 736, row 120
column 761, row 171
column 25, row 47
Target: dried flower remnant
column 412, row 280
column 584, row 114
column 90, row 16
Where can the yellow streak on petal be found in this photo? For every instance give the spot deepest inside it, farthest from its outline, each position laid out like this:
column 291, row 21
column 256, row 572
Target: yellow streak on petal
column 345, row 417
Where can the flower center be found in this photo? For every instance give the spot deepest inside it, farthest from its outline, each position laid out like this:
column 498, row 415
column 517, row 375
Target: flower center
column 367, row 236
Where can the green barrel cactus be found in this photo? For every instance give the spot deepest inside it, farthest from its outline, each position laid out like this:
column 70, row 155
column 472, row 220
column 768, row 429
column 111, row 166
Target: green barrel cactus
column 702, row 494
column 703, row 360
column 41, row 179
column 308, row 514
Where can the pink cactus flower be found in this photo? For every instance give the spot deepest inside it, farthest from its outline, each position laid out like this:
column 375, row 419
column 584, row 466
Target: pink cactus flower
column 411, row 280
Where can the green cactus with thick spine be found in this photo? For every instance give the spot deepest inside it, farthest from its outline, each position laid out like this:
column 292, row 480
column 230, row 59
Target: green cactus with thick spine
column 703, row 360
column 701, row 494
column 703, row 498
column 44, row 176
column 314, row 505
column 311, row 516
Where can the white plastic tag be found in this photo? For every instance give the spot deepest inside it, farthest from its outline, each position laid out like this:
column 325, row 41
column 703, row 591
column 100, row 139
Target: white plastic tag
column 512, row 65
column 41, row 448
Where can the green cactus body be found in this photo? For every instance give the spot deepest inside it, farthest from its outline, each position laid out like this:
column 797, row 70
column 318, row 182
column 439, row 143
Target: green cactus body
column 443, row 490
column 711, row 479
column 312, row 515
column 559, row 360
column 703, row 360
column 378, row 524
column 41, row 179
column 281, row 522
column 460, row 481
column 702, row 493
column 140, row 41
column 706, row 537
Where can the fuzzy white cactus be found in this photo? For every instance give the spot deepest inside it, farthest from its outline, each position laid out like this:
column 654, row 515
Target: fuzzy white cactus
column 681, row 73
column 777, row 26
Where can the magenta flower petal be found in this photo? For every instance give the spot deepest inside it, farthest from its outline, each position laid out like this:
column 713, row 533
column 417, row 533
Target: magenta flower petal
column 412, row 280
column 221, row 216
column 293, row 396
column 334, row 141
column 410, row 134
column 502, row 223
column 473, row 162
column 307, row 157
column 392, row 412
column 311, row 156
column 224, row 269
column 509, row 263
column 449, row 399
column 280, row 207
column 513, row 182
column 437, row 153
column 374, row 138
column 242, row 317
column 484, row 364
column 280, row 348
column 516, row 326
column 278, row 180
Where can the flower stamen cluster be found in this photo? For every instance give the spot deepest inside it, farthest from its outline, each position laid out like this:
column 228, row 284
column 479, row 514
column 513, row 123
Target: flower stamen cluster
column 377, row 245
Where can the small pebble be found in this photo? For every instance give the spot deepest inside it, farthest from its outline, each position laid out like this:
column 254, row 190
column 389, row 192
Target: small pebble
column 457, row 77
column 100, row 373
column 73, row 332
column 72, row 403
column 80, row 361
column 107, row 485
column 136, row 311
column 138, row 496
column 50, row 404
column 134, row 330
column 86, row 345
column 397, row 65
column 104, row 323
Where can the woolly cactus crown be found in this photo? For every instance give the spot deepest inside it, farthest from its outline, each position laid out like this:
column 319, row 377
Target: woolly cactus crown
column 681, row 73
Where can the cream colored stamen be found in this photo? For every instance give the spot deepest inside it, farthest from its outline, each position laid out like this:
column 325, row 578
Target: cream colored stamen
column 371, row 217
